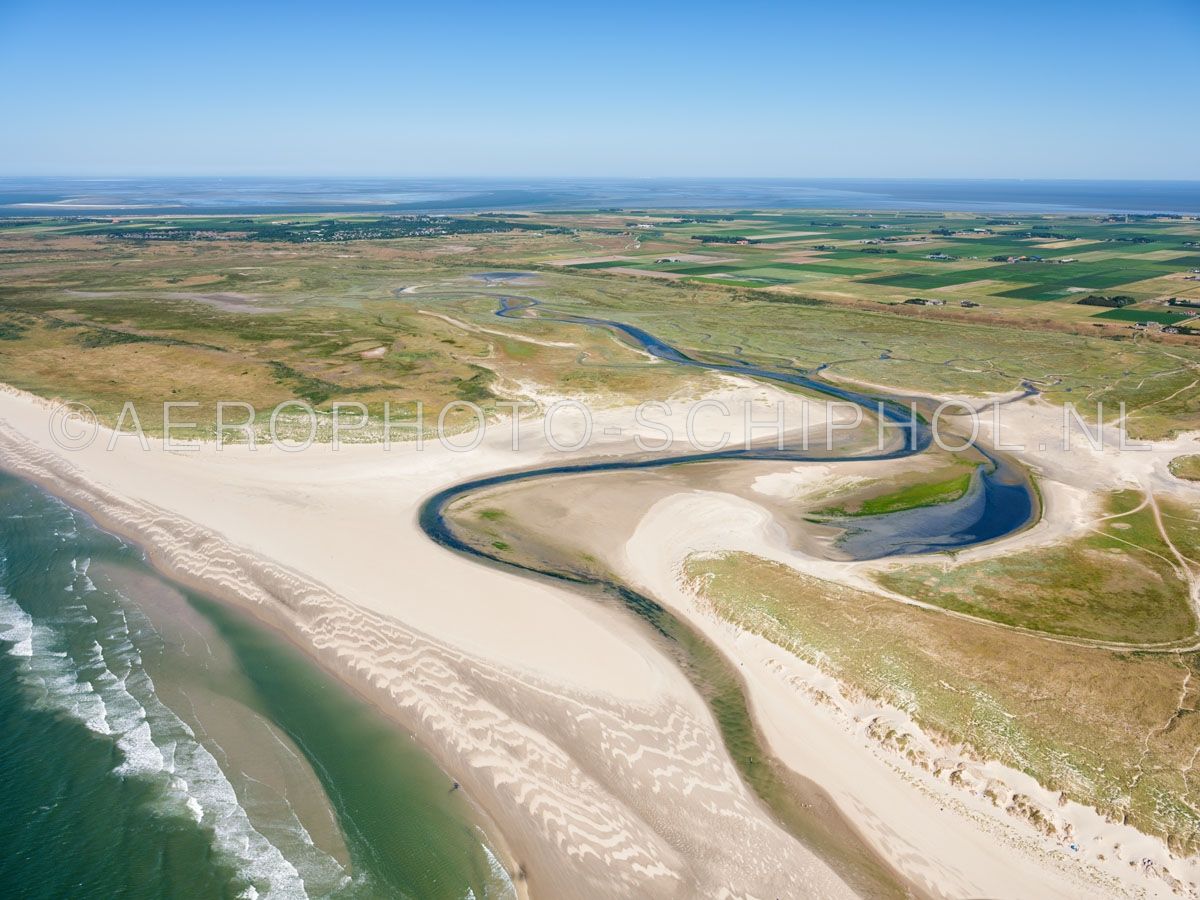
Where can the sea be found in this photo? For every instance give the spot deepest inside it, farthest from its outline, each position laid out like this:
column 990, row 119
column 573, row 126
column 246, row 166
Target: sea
column 157, row 743
column 45, row 196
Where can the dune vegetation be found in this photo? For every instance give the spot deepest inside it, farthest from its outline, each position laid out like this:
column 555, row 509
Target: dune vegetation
column 1115, row 729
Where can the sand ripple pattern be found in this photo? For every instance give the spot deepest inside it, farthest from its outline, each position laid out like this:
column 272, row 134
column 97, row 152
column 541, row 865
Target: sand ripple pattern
column 597, row 798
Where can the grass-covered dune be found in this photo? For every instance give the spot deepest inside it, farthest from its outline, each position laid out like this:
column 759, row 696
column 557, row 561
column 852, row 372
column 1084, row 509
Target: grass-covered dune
column 1116, row 730
column 1120, row 583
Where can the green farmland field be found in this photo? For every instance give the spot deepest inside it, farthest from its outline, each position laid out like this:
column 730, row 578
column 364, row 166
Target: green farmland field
column 1141, row 315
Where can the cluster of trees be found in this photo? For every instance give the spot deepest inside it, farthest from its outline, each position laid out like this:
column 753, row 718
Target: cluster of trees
column 723, row 239
column 1115, row 301
column 1043, row 235
column 951, row 232
column 1141, row 217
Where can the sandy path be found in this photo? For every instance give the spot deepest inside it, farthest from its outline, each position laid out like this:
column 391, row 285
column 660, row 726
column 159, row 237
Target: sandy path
column 510, row 336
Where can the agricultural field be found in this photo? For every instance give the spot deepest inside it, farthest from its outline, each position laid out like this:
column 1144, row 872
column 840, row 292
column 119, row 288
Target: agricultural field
column 1037, row 265
column 396, row 310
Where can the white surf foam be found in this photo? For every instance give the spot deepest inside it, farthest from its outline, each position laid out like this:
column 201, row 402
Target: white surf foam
column 102, row 684
column 194, row 784
column 499, row 886
column 17, row 627
column 126, row 708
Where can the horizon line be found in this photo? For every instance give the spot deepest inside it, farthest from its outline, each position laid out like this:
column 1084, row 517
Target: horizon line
column 532, row 177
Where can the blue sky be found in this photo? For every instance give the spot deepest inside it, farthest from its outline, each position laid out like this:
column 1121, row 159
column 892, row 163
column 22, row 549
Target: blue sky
column 1052, row 90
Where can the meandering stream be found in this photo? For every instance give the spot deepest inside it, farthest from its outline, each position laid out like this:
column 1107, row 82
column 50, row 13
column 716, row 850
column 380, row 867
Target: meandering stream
column 1001, row 500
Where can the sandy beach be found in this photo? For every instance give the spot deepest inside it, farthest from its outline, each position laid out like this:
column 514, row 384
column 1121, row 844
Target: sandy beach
column 591, row 752
column 594, row 757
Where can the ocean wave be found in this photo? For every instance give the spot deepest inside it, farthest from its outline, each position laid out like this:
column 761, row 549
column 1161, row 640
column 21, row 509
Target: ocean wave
column 107, row 690
column 499, row 885
column 193, row 782
column 17, row 627
column 79, row 572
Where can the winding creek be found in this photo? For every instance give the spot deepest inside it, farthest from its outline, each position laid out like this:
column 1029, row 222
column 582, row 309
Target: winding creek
column 1000, row 501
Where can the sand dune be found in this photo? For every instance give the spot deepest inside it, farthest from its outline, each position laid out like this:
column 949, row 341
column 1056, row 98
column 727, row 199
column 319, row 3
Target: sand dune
column 950, row 839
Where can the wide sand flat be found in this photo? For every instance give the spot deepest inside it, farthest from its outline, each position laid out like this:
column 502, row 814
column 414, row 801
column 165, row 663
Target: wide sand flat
column 599, row 763
column 593, row 754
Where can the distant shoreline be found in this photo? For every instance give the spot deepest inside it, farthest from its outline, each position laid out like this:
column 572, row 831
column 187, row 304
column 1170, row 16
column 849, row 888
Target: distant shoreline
column 33, row 196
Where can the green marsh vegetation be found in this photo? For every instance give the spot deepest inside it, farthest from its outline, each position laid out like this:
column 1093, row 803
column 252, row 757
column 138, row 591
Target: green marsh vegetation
column 877, row 346
column 1121, row 583
column 944, row 487
column 1187, row 467
column 102, row 321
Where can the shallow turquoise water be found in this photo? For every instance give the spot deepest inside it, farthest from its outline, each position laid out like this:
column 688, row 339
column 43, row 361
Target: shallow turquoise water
column 154, row 743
